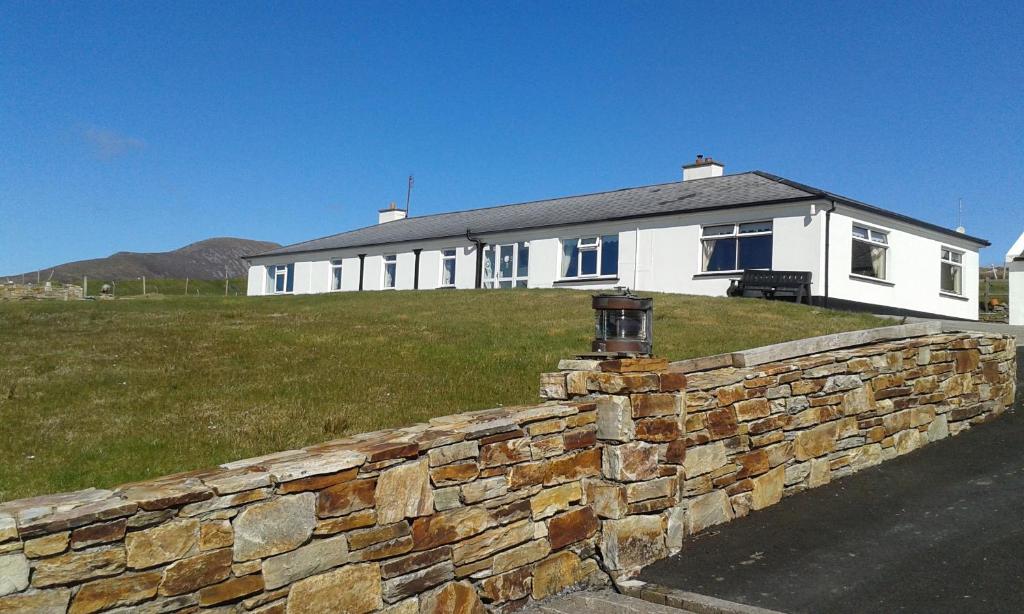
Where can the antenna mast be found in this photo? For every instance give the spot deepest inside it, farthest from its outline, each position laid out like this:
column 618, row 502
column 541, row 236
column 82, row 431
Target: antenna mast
column 408, row 195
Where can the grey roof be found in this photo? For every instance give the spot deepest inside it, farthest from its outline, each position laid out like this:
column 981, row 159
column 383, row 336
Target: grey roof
column 727, row 191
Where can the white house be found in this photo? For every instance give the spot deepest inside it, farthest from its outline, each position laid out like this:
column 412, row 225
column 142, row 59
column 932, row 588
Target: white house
column 691, row 236
column 1015, row 265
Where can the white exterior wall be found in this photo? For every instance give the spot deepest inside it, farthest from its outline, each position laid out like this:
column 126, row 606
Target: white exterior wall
column 663, row 254
column 1016, row 292
column 913, row 267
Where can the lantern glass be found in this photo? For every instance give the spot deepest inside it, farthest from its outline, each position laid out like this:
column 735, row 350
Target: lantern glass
column 622, row 324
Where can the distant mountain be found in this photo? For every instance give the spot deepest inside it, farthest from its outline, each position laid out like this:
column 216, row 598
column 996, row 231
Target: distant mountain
column 202, row 260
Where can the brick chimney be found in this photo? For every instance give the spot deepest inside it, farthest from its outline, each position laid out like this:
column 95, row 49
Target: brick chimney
column 702, row 168
column 390, row 214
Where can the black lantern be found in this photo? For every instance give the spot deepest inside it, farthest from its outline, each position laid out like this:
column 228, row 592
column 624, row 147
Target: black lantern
column 623, row 324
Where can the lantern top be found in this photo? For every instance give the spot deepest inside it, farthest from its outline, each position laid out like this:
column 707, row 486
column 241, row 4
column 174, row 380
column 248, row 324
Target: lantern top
column 621, row 298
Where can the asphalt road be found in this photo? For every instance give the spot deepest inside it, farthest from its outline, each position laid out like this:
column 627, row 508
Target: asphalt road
column 938, row 530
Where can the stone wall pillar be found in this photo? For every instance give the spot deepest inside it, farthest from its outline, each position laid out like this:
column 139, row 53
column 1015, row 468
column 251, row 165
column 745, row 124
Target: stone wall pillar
column 641, row 424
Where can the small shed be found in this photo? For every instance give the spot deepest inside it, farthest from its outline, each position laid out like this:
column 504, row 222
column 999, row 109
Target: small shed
column 1015, row 265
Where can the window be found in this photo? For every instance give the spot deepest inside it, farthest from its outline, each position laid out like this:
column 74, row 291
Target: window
column 390, row 268
column 506, row 266
column 335, row 274
column 280, row 278
column 952, row 271
column 448, row 268
column 734, row 247
column 590, row 256
column 870, row 252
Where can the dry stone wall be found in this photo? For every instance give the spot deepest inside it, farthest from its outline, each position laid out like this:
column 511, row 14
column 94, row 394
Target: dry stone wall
column 488, row 510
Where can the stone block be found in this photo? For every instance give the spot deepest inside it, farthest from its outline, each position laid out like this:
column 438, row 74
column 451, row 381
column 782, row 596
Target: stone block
column 704, row 459
column 815, row 442
column 572, row 526
column 452, row 598
column 450, row 527
column 633, row 542
column 559, row 572
column 752, row 409
column 519, row 556
column 404, row 492
column 101, row 533
column 707, row 510
column 615, row 419
column 115, row 592
column 54, row 601
column 76, row 567
column 39, row 547
column 343, row 499
column 553, row 500
column 491, row 541
column 415, row 582
column 316, row 556
column 354, row 589
column 273, row 527
column 768, row 488
column 231, row 590
column 507, row 586
column 195, row 572
column 656, row 404
column 481, row 490
column 14, row 570
column 659, row 430
column 630, row 462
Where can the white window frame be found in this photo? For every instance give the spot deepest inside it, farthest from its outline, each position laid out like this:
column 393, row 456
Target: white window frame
column 597, row 246
column 494, row 279
column 953, row 257
column 281, row 270
column 736, row 234
column 335, row 265
column 391, row 259
column 455, row 267
column 872, row 240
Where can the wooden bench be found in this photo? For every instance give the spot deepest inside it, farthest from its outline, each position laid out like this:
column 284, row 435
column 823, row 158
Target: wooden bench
column 773, row 285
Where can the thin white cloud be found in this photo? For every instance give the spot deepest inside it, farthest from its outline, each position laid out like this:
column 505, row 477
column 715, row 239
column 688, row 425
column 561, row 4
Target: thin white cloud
column 108, row 144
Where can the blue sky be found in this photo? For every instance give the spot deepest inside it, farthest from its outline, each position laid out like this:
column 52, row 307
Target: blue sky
column 145, row 126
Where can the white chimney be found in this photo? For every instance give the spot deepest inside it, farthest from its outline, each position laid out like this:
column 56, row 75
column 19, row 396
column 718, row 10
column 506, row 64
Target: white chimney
column 703, row 168
column 390, row 214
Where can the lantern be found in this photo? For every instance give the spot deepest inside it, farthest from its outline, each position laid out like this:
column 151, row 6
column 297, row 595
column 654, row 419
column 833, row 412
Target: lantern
column 623, row 324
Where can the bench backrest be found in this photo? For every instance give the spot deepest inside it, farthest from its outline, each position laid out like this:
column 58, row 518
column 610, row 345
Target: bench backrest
column 753, row 277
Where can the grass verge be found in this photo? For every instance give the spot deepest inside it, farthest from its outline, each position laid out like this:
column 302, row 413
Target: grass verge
column 98, row 393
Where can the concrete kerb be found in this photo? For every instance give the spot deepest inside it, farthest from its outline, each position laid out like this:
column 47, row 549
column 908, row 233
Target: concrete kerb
column 685, row 600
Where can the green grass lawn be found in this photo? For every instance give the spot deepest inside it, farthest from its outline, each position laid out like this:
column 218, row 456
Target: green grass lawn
column 98, row 393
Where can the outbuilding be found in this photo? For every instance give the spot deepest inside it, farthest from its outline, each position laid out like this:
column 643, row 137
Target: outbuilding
column 1015, row 266
column 693, row 236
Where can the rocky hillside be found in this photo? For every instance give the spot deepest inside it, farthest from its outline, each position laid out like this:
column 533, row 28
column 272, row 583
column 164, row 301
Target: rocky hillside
column 202, row 260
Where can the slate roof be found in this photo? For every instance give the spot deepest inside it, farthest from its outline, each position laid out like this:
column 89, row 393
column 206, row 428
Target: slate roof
column 727, row 191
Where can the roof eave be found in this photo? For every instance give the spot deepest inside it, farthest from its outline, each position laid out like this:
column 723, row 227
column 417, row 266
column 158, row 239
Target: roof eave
column 850, row 202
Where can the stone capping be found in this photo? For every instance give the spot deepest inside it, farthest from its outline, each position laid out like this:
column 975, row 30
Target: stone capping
column 489, row 510
column 806, row 347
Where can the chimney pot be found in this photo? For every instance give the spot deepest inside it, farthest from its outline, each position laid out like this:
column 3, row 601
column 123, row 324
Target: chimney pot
column 390, row 214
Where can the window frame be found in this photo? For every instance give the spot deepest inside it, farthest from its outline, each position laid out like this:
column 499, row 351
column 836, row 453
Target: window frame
column 387, row 259
column 597, row 247
column 335, row 264
column 736, row 235
column 870, row 240
column 455, row 267
column 957, row 262
column 494, row 280
column 287, row 272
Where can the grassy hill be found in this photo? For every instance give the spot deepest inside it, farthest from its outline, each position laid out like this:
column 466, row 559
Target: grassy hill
column 104, row 392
